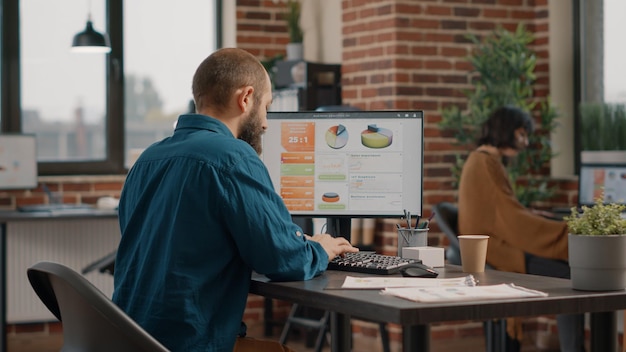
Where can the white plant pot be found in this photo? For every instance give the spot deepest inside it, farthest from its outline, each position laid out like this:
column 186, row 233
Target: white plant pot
column 597, row 263
column 295, row 51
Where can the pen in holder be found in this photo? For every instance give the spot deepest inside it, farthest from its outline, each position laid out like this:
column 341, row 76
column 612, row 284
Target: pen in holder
column 411, row 237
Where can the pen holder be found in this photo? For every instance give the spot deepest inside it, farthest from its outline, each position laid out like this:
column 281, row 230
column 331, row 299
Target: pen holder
column 411, row 238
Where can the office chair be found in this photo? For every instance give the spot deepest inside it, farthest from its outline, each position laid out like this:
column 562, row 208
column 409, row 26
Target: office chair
column 447, row 216
column 91, row 321
column 322, row 325
column 105, row 265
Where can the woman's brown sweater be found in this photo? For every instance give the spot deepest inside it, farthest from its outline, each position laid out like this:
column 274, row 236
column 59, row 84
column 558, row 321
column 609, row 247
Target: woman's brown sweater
column 487, row 205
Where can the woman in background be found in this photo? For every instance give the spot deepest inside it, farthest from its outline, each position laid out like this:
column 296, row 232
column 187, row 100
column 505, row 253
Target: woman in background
column 520, row 239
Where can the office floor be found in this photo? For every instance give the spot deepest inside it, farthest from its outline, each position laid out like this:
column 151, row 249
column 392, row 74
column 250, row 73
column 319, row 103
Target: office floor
column 52, row 342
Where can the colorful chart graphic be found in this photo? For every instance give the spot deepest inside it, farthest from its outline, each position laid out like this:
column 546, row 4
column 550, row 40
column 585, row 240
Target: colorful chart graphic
column 330, row 197
column 337, row 137
column 376, row 137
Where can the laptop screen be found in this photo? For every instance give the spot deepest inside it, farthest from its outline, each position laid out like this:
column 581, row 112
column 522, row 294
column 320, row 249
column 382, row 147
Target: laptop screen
column 596, row 180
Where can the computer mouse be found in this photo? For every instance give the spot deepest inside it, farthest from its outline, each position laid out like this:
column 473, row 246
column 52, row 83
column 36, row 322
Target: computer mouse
column 418, row 270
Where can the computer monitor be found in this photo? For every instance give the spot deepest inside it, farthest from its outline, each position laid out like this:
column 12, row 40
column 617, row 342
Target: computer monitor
column 598, row 179
column 18, row 161
column 346, row 164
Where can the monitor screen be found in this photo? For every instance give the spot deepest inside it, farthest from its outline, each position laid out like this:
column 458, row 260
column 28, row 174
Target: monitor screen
column 354, row 164
column 594, row 180
column 18, row 161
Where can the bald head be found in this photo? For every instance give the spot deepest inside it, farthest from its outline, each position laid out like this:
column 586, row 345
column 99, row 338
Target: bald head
column 221, row 74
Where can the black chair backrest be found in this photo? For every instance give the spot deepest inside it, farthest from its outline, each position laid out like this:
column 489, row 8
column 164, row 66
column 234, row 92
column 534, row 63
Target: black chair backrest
column 446, row 216
column 91, row 321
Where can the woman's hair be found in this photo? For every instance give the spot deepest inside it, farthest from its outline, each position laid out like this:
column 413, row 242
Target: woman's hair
column 499, row 129
column 222, row 73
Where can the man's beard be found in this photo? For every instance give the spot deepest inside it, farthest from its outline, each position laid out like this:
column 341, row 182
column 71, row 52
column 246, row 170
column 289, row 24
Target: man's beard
column 250, row 131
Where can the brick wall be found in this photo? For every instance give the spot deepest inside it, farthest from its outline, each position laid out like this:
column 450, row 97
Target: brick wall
column 412, row 55
column 72, row 189
column 260, row 27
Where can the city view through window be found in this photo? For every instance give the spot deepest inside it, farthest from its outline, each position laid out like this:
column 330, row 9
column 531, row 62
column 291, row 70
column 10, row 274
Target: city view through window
column 64, row 94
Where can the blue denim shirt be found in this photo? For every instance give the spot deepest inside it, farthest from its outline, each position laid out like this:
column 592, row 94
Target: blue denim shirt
column 198, row 213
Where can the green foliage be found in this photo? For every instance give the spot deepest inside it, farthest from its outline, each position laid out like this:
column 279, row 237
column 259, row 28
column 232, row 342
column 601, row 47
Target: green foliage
column 601, row 219
column 504, row 75
column 292, row 16
column 603, row 126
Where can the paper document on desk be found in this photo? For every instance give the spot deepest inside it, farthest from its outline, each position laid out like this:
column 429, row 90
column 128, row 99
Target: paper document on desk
column 377, row 282
column 462, row 293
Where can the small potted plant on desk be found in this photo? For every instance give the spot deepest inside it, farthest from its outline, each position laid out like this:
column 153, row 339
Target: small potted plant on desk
column 597, row 247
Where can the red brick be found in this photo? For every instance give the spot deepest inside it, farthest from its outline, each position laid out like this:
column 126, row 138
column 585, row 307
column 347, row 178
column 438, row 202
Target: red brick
column 409, row 8
column 454, row 51
column 424, row 50
column 495, row 13
column 458, row 25
column 29, row 327
column 438, row 10
column 482, row 25
column 466, row 12
column 425, row 24
column 523, row 15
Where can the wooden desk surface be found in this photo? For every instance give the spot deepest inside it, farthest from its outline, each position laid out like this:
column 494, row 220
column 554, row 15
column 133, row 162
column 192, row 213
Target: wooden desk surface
column 320, row 293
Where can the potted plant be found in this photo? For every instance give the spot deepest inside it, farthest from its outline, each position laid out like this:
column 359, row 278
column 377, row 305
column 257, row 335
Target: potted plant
column 503, row 73
column 597, row 247
column 292, row 16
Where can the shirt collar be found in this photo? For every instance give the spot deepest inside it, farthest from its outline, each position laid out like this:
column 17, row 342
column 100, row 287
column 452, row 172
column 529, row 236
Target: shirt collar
column 201, row 122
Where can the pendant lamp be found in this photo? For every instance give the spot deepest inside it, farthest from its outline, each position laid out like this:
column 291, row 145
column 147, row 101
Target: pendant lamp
column 90, row 41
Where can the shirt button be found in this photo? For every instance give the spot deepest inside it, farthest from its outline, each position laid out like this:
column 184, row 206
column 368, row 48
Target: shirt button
column 298, row 233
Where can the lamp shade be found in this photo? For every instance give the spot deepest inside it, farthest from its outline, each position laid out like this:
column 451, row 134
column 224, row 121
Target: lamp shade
column 90, row 41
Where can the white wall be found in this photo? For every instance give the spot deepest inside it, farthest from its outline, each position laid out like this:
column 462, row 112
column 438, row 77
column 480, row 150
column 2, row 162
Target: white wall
column 321, row 24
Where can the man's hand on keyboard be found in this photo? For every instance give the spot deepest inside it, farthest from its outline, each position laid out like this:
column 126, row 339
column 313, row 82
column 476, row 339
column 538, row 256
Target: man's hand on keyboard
column 334, row 246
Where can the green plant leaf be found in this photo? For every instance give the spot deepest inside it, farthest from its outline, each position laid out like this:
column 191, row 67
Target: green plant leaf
column 600, row 219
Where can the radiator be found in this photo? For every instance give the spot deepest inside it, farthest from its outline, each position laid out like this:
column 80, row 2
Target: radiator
column 75, row 243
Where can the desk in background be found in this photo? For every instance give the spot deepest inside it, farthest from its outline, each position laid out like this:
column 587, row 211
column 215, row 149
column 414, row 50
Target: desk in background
column 415, row 317
column 26, row 237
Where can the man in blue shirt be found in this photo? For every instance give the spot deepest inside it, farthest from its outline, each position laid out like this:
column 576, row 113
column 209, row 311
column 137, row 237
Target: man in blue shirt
column 198, row 213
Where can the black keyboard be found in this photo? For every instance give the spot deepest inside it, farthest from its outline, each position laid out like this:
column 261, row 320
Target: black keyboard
column 370, row 263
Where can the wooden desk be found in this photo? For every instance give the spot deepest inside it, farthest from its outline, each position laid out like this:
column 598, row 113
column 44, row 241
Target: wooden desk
column 15, row 216
column 415, row 317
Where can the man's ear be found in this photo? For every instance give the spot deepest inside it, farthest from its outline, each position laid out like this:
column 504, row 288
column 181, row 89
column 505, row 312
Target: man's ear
column 244, row 98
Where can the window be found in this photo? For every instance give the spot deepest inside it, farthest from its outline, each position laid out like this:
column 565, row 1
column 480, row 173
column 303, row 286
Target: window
column 599, row 77
column 614, row 51
column 63, row 94
column 162, row 49
column 90, row 112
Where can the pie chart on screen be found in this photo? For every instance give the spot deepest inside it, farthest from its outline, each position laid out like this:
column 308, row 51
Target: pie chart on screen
column 330, row 197
column 376, row 137
column 337, row 136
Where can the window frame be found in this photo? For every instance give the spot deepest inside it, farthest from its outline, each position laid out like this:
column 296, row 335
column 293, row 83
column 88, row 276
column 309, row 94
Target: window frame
column 11, row 110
